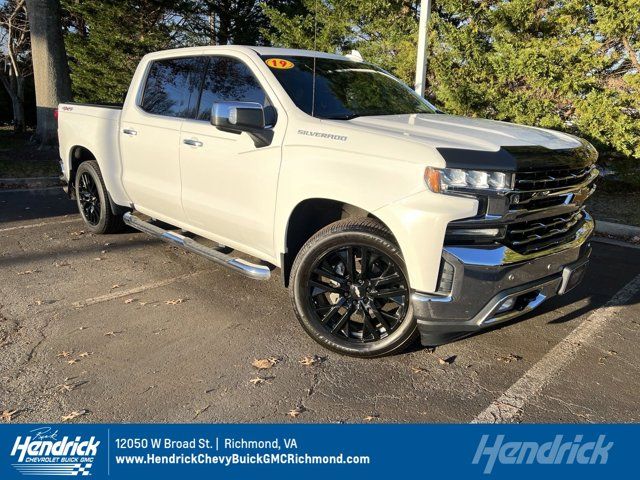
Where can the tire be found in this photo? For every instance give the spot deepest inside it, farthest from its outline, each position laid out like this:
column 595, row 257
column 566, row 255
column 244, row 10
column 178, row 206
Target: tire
column 93, row 200
column 325, row 290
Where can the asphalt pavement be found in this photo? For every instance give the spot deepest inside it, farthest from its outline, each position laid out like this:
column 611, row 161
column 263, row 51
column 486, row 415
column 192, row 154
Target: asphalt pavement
column 124, row 328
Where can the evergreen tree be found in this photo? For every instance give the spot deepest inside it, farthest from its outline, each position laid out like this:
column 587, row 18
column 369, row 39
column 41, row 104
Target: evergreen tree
column 106, row 39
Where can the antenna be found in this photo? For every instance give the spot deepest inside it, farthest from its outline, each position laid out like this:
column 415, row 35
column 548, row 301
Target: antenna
column 315, row 42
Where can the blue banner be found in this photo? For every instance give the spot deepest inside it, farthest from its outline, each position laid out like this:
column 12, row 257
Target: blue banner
column 317, row 451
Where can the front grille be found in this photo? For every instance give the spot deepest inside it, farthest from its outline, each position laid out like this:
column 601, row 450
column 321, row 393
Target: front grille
column 549, row 179
column 535, row 235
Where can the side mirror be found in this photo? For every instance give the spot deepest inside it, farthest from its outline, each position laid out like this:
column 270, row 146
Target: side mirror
column 237, row 116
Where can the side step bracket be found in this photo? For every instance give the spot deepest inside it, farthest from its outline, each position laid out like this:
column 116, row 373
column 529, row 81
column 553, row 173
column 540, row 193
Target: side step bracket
column 257, row 272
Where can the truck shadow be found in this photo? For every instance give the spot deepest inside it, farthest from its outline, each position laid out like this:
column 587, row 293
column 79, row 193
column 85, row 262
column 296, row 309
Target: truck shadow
column 20, row 205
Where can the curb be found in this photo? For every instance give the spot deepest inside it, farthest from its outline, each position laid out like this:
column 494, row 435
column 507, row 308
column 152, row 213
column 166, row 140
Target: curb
column 617, row 229
column 26, row 183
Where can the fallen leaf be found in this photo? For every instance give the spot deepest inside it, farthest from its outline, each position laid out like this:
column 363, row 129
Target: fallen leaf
column 447, row 360
column 27, row 272
column 295, row 412
column 7, row 415
column 65, row 387
column 512, row 357
column 97, row 259
column 202, row 410
column 64, row 354
column 174, row 302
column 72, row 361
column 418, row 370
column 85, row 354
column 129, row 300
column 264, row 363
column 39, row 302
column 110, row 334
column 115, row 286
column 257, row 381
column 309, row 361
column 74, row 414
column 370, row 418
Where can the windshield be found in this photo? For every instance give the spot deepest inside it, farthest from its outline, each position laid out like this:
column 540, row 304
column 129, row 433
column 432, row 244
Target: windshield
column 344, row 89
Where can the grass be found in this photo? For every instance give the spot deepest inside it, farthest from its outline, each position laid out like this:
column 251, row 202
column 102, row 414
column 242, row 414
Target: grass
column 19, row 158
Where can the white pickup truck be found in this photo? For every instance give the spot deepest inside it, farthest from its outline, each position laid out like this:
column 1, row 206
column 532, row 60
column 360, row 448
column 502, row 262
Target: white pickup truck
column 387, row 217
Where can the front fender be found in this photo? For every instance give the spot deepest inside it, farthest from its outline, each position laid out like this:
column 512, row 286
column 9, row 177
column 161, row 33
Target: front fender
column 419, row 223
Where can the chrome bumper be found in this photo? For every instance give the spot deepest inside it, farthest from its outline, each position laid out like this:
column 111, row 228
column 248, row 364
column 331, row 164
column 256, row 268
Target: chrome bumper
column 488, row 279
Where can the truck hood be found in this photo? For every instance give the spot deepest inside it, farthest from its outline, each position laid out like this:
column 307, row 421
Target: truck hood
column 482, row 144
column 454, row 132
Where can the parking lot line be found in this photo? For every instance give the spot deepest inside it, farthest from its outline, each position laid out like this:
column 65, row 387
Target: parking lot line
column 510, row 403
column 41, row 224
column 131, row 291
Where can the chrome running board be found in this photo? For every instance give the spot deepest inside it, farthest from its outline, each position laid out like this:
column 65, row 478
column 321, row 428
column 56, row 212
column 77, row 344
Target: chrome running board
column 257, row 272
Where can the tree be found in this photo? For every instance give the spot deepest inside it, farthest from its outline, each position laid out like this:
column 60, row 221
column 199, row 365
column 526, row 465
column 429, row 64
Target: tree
column 570, row 65
column 233, row 21
column 384, row 31
column 15, row 59
column 107, row 38
column 50, row 68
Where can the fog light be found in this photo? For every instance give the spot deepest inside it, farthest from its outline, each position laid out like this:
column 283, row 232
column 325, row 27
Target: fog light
column 507, row 305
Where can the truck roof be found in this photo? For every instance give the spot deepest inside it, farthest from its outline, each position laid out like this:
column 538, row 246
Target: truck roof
column 284, row 52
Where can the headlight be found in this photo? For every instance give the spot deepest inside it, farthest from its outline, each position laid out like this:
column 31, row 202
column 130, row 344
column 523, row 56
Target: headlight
column 440, row 180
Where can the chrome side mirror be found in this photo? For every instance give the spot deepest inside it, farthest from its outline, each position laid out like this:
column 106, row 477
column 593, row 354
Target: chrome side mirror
column 238, row 116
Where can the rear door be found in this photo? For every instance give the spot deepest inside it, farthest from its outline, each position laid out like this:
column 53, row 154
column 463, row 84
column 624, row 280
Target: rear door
column 150, row 135
column 228, row 184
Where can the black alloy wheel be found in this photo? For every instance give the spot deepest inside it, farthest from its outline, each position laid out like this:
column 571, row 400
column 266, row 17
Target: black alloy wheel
column 89, row 199
column 93, row 200
column 358, row 293
column 350, row 289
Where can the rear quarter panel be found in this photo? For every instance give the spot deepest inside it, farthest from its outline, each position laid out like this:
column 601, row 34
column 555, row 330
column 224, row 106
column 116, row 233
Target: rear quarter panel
column 96, row 129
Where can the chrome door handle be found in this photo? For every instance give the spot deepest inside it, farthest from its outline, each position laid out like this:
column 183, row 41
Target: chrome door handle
column 192, row 142
column 129, row 131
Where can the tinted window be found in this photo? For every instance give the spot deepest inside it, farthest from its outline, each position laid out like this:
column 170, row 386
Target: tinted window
column 173, row 86
column 228, row 80
column 345, row 89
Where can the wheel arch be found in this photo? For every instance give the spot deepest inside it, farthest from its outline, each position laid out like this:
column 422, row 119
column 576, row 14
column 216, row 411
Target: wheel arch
column 308, row 217
column 77, row 155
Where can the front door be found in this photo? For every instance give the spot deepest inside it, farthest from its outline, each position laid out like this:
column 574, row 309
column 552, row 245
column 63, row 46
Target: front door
column 228, row 184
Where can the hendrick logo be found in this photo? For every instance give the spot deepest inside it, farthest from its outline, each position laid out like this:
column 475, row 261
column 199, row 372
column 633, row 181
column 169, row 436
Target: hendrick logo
column 554, row 452
column 45, row 452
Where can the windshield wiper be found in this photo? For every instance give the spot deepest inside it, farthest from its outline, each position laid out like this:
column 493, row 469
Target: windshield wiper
column 347, row 116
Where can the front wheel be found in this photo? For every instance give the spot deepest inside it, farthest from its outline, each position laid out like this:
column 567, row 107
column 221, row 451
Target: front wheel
column 350, row 290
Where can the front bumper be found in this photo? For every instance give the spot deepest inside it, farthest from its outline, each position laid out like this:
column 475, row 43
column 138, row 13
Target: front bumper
column 493, row 284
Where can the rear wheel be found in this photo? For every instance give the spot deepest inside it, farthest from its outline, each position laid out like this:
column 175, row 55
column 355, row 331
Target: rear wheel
column 350, row 290
column 93, row 200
